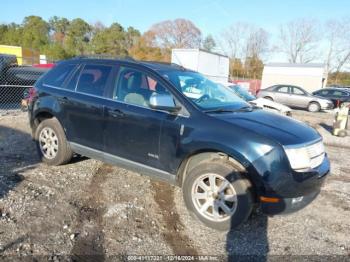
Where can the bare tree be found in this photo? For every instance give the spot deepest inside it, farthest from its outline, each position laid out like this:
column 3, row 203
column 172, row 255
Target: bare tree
column 257, row 43
column 298, row 40
column 179, row 33
column 338, row 38
column 247, row 46
column 233, row 39
column 243, row 40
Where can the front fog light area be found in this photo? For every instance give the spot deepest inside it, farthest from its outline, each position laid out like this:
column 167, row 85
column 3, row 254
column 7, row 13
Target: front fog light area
column 297, row 200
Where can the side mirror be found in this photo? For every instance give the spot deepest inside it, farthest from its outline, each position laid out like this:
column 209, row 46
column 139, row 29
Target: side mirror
column 163, row 102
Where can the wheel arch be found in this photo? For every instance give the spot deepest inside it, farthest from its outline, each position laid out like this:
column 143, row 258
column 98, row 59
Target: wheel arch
column 201, row 155
column 40, row 116
column 314, row 102
column 196, row 157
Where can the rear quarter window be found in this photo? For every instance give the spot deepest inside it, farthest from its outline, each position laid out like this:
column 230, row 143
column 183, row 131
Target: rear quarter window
column 57, row 75
column 93, row 79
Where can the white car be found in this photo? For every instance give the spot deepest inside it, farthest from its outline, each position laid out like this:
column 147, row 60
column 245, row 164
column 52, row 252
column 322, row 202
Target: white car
column 266, row 104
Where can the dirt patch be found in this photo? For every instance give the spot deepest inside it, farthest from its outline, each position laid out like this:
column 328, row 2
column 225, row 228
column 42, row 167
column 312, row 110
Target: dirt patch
column 174, row 230
column 335, row 200
column 85, row 210
column 89, row 236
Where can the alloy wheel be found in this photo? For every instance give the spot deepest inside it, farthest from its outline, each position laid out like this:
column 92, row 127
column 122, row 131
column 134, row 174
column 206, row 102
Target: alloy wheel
column 214, row 197
column 48, row 142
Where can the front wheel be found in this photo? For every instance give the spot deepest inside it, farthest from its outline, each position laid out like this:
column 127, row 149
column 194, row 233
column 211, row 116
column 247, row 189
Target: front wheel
column 314, row 107
column 218, row 195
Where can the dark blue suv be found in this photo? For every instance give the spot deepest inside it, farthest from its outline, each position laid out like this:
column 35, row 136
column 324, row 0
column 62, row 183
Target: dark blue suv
column 174, row 124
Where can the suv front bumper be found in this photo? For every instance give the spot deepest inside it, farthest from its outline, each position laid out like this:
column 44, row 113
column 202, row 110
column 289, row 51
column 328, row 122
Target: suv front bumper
column 311, row 187
column 327, row 106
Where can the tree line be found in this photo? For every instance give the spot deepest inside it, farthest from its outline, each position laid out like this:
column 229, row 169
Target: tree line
column 247, row 45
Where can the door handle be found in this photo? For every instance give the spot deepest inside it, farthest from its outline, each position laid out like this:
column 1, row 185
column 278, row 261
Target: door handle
column 116, row 113
column 64, row 100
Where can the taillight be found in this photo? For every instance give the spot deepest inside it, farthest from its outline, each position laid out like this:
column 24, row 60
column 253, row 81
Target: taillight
column 31, row 94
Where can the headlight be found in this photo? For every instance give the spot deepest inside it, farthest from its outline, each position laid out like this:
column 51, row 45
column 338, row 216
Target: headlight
column 303, row 158
column 324, row 103
column 298, row 158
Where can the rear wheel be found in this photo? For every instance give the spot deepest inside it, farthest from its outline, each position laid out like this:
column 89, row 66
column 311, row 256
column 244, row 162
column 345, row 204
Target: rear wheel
column 218, row 195
column 314, row 107
column 52, row 144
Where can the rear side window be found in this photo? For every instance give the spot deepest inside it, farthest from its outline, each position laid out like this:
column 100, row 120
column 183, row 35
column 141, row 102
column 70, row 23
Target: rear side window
column 72, row 82
column 93, row 79
column 338, row 93
column 56, row 76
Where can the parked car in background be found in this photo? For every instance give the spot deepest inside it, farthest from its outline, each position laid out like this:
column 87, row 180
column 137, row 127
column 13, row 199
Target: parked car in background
column 295, row 97
column 15, row 79
column 336, row 95
column 261, row 102
column 227, row 155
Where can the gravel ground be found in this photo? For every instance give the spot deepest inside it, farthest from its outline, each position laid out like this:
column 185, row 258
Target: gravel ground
column 91, row 211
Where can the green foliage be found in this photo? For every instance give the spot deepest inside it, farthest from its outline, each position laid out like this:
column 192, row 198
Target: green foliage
column 59, row 24
column 339, row 78
column 208, row 43
column 35, row 32
column 253, row 67
column 55, row 51
column 60, row 38
column 11, row 34
column 78, row 37
column 58, row 28
column 111, row 40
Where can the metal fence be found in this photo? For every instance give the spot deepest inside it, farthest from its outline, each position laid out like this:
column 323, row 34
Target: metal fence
column 17, row 76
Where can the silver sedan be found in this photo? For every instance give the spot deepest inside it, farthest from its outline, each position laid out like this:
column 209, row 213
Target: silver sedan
column 296, row 97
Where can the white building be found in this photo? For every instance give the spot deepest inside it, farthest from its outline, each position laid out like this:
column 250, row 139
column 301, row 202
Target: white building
column 213, row 65
column 308, row 76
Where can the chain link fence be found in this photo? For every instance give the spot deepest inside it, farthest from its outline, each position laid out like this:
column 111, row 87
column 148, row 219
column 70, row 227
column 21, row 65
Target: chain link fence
column 17, row 76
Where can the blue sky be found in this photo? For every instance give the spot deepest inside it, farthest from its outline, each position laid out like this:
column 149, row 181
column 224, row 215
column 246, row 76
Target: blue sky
column 211, row 16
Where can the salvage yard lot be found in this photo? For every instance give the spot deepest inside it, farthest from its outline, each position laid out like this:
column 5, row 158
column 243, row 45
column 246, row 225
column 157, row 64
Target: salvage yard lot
column 91, row 208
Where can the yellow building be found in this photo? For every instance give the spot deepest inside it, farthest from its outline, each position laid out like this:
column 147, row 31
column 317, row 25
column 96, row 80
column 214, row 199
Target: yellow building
column 25, row 56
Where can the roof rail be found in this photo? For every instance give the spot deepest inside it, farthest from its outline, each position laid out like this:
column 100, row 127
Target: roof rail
column 166, row 63
column 104, row 56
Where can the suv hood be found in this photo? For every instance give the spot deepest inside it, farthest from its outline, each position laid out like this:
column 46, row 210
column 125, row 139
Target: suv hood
column 282, row 129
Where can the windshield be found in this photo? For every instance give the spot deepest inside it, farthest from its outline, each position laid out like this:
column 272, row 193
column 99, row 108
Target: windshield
column 242, row 93
column 206, row 94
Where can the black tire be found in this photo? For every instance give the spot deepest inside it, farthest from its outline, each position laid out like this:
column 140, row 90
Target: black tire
column 241, row 185
column 314, row 107
column 64, row 153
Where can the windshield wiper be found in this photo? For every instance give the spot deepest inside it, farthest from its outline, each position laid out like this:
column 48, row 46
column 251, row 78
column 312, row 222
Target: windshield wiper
column 227, row 110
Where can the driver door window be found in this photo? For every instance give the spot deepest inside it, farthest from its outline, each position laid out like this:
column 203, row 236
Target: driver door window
column 135, row 87
column 297, row 91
